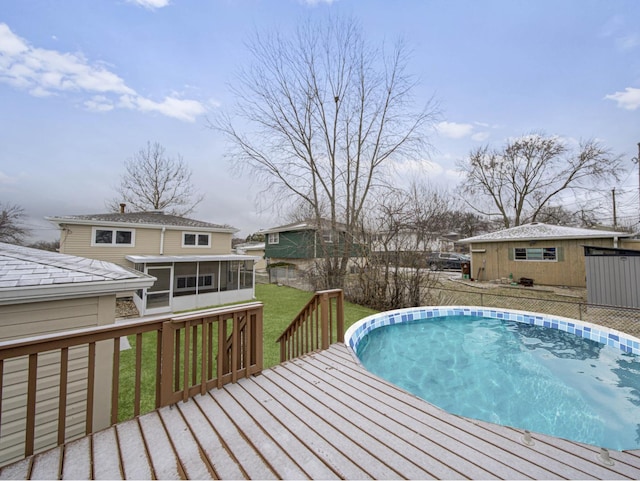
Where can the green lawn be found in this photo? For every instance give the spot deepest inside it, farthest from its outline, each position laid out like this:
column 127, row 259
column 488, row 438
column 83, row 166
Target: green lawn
column 281, row 305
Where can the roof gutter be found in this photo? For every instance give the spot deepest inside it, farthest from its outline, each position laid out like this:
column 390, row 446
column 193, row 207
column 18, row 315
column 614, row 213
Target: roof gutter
column 20, row 295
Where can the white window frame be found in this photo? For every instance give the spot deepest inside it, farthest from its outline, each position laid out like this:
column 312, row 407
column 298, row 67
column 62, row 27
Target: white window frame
column 542, row 250
column 114, row 231
column 199, row 282
column 196, row 245
column 274, row 238
column 327, row 236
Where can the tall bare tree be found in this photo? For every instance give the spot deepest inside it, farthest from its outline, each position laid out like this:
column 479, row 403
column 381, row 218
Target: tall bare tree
column 12, row 228
column 319, row 116
column 524, row 177
column 154, row 181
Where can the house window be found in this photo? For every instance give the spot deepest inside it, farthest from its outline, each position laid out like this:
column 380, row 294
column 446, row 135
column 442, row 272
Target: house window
column 113, row 237
column 194, row 239
column 535, row 254
column 326, row 236
column 188, row 283
column 274, row 238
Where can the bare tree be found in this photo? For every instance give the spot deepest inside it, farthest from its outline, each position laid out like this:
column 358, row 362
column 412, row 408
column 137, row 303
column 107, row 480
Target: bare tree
column 530, row 172
column 155, row 181
column 323, row 114
column 12, row 228
column 43, row 245
column 402, row 229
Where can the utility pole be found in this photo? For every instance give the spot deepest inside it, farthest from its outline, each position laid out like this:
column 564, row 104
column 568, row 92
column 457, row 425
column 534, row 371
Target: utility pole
column 637, row 161
column 613, row 194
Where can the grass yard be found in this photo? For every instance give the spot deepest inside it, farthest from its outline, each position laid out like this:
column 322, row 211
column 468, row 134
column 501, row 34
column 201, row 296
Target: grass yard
column 281, row 305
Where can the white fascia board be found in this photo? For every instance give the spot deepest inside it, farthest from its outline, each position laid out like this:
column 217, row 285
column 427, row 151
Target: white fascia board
column 289, row 228
column 60, row 221
column 20, row 295
column 142, row 259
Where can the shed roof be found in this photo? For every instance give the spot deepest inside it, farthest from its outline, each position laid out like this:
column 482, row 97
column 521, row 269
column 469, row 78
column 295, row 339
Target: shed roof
column 145, row 219
column 540, row 231
column 28, row 274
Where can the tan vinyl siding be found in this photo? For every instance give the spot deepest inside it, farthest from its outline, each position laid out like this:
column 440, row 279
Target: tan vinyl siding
column 498, row 263
column 220, row 243
column 77, row 240
column 36, row 318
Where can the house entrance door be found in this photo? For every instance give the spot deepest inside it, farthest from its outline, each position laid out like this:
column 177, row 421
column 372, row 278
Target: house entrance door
column 158, row 297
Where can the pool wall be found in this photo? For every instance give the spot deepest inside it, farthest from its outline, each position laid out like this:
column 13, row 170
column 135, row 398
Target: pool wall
column 603, row 335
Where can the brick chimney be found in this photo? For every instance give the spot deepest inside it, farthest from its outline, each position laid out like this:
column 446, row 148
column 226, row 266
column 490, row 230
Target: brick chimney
column 122, row 207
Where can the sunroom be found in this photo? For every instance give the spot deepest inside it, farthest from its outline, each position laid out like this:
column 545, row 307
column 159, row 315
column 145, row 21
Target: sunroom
column 193, row 282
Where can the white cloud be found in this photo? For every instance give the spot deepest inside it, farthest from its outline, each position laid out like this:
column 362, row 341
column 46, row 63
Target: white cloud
column 629, row 99
column 99, row 103
column 480, row 136
column 6, row 180
column 313, row 3
column 43, row 72
column 150, row 4
column 180, row 109
column 616, row 28
column 454, row 130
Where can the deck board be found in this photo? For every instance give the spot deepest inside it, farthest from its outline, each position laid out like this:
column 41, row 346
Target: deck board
column 240, row 449
column 321, row 416
column 135, row 459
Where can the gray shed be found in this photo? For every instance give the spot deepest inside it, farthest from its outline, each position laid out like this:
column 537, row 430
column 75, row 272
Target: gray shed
column 613, row 276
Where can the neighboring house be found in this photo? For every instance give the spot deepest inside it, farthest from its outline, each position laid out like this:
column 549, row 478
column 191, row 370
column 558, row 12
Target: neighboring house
column 301, row 244
column 254, row 249
column 43, row 292
column 191, row 259
column 413, row 241
column 548, row 254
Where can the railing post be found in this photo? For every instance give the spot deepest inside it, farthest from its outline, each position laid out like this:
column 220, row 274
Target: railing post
column 166, row 380
column 324, row 320
column 340, row 315
column 258, row 341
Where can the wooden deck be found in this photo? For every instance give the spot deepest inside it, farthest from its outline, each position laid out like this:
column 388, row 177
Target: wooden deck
column 321, row 416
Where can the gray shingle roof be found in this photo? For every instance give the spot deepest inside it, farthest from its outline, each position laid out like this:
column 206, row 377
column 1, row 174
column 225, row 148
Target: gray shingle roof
column 26, row 267
column 143, row 218
column 538, row 230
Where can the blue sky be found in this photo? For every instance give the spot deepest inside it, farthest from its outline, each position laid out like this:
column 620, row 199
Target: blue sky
column 85, row 84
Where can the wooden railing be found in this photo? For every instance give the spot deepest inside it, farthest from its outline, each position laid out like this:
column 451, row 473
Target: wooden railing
column 187, row 355
column 319, row 323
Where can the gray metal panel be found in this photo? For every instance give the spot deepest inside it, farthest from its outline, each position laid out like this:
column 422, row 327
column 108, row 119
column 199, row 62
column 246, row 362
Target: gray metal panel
column 613, row 280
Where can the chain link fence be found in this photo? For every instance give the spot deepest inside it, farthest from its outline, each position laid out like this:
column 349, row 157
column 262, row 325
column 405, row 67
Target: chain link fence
column 620, row 318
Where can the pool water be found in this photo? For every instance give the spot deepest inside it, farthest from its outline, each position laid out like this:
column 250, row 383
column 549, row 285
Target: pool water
column 515, row 374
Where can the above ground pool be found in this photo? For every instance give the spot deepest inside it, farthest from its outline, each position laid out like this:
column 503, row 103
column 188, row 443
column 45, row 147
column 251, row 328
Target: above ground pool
column 551, row 375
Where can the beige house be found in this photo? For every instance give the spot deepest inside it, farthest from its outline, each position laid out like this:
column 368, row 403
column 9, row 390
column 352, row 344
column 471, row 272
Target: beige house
column 254, row 249
column 548, row 254
column 113, row 237
column 192, row 260
column 44, row 292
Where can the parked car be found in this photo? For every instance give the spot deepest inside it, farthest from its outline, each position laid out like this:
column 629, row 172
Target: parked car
column 438, row 261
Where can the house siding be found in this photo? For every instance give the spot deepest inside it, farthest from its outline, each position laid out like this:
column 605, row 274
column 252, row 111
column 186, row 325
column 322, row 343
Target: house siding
column 292, row 245
column 568, row 271
column 36, row 318
column 220, row 244
column 76, row 240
